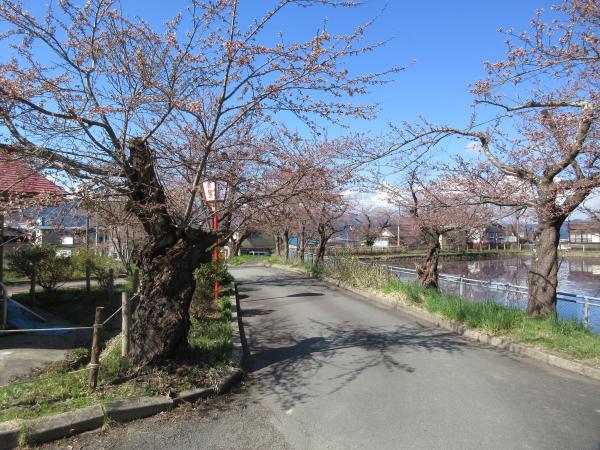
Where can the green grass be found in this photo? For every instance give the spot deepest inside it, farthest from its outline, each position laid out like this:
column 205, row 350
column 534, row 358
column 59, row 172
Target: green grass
column 242, row 259
column 54, row 390
column 312, row 269
column 210, row 336
column 562, row 336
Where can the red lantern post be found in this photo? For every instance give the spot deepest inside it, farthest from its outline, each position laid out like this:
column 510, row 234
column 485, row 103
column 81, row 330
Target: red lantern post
column 213, row 196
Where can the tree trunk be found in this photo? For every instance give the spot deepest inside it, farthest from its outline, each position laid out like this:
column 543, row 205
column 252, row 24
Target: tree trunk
column 543, row 276
column 323, row 238
column 286, row 244
column 302, row 243
column 277, row 240
column 161, row 319
column 167, row 261
column 428, row 270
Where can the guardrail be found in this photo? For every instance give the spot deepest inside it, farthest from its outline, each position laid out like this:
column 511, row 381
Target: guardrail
column 588, row 311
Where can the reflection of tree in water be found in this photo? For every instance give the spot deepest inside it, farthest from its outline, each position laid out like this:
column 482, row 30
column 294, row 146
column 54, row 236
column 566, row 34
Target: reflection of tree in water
column 513, row 270
column 576, row 274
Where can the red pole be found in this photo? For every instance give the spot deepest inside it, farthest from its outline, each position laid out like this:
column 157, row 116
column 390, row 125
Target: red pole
column 216, row 251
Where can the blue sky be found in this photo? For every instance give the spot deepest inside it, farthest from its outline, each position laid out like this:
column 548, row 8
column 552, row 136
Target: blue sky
column 441, row 43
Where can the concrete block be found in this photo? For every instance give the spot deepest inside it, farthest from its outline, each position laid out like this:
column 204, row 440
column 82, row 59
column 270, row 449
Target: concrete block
column 9, row 434
column 137, row 408
column 50, row 428
column 194, row 395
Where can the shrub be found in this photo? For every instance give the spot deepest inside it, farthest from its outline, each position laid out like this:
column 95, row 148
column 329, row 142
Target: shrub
column 53, row 271
column 50, row 269
column 205, row 276
column 99, row 265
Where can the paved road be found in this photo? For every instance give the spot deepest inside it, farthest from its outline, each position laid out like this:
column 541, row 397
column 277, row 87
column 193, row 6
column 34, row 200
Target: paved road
column 331, row 370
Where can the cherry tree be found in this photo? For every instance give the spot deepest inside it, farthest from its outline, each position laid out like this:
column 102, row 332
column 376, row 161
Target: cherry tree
column 542, row 151
column 439, row 208
column 108, row 102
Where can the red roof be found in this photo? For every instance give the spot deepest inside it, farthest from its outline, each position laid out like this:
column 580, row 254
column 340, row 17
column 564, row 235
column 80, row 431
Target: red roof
column 16, row 177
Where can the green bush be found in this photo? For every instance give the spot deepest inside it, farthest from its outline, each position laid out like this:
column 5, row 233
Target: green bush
column 99, row 265
column 54, row 271
column 50, row 269
column 205, row 276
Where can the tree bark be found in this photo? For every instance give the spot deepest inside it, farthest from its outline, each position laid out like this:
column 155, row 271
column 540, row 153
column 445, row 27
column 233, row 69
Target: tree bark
column 543, row 276
column 428, row 270
column 161, row 319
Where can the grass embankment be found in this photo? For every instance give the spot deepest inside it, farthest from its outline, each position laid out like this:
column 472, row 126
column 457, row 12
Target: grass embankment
column 55, row 390
column 296, row 263
column 567, row 337
column 242, row 259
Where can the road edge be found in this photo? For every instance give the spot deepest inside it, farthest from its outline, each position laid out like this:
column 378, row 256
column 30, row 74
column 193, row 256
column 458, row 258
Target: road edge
column 461, row 329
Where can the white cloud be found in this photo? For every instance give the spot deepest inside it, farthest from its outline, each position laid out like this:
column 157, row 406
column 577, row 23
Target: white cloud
column 473, row 147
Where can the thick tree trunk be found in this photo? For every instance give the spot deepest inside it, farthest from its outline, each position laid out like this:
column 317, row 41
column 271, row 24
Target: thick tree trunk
column 543, row 276
column 161, row 319
column 302, row 243
column 428, row 270
column 167, row 262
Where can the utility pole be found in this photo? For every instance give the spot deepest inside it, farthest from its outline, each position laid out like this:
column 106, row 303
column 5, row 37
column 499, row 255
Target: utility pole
column 398, row 231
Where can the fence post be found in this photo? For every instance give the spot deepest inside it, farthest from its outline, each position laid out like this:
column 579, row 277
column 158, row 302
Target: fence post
column 4, row 307
column 126, row 316
column 506, row 289
column 111, row 284
column 33, row 283
column 461, row 287
column 586, row 313
column 136, row 280
column 95, row 353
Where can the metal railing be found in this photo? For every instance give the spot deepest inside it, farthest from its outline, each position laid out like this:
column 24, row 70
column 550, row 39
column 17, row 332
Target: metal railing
column 581, row 307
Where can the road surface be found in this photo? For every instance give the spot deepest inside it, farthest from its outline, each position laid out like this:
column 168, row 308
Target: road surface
column 331, row 370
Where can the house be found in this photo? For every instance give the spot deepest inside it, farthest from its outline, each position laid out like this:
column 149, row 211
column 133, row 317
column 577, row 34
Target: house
column 65, row 227
column 258, row 243
column 492, row 236
column 584, row 234
column 385, row 239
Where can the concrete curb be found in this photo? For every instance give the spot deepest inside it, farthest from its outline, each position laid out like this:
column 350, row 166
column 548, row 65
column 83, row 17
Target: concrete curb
column 9, row 434
column 543, row 356
column 45, row 429
column 66, row 424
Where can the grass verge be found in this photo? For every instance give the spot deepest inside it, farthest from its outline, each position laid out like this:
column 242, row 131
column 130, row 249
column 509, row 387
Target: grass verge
column 562, row 336
column 55, row 390
column 242, row 259
column 313, row 269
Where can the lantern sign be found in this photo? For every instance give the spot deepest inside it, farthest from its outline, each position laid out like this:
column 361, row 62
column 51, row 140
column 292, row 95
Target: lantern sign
column 214, row 192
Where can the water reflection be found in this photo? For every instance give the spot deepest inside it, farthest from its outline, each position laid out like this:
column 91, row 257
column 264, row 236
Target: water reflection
column 576, row 274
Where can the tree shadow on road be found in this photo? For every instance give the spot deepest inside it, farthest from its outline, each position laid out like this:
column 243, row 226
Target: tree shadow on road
column 291, row 366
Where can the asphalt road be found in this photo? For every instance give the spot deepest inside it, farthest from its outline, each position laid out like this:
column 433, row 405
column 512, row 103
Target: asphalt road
column 331, row 370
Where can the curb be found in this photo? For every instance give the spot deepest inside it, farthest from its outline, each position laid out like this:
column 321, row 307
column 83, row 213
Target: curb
column 45, row 429
column 461, row 329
